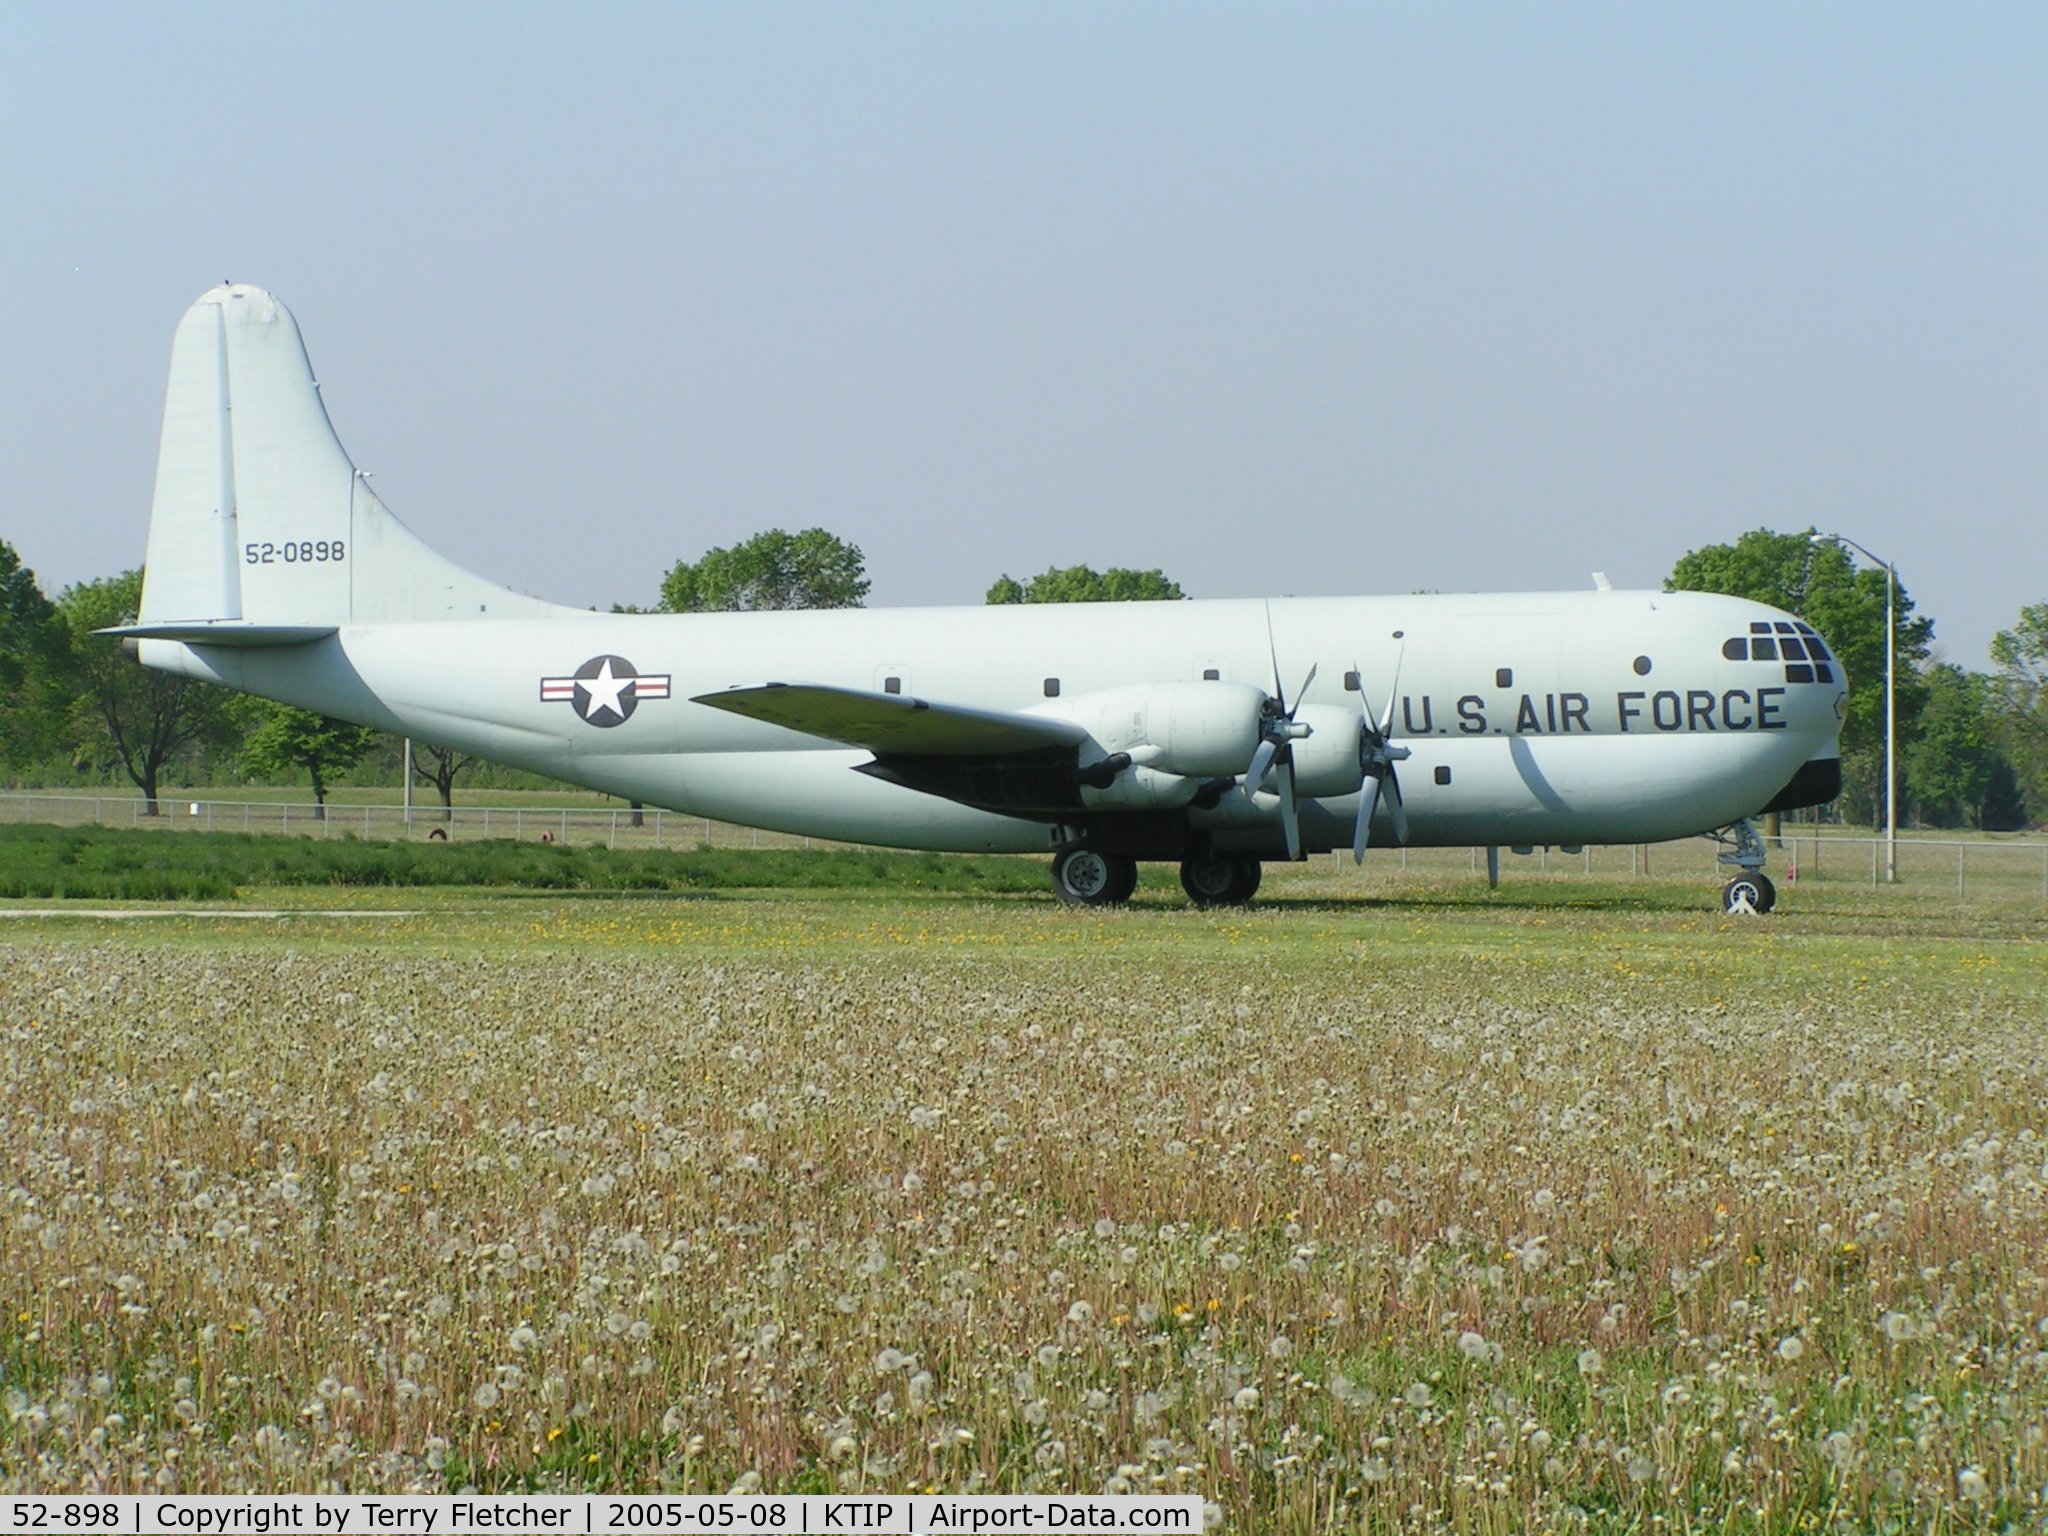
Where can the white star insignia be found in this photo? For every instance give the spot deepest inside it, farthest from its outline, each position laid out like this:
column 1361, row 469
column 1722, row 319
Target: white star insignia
column 604, row 690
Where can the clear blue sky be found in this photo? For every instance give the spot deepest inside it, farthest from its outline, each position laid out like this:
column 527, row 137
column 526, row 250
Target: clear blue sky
column 1283, row 300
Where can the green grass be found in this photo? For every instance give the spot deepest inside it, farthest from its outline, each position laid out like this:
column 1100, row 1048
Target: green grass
column 104, row 863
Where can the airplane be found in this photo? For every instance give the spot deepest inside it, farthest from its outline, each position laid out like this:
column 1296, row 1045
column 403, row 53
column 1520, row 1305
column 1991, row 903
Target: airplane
column 1213, row 734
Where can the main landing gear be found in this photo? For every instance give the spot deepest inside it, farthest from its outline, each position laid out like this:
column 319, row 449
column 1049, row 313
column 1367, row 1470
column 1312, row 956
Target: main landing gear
column 1220, row 880
column 1750, row 893
column 1087, row 878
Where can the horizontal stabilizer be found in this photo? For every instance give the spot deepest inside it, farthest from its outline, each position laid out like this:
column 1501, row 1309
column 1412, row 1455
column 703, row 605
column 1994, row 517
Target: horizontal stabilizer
column 893, row 724
column 224, row 632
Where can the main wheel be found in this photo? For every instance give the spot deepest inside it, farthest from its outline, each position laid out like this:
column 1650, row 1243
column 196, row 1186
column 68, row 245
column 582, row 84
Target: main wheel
column 1750, row 894
column 1088, row 878
column 1220, row 880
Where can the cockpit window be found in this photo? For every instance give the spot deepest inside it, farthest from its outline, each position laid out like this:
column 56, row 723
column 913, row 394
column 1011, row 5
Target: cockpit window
column 1736, row 649
column 1763, row 650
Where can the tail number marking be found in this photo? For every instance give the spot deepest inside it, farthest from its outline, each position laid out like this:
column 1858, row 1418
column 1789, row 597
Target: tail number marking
column 304, row 552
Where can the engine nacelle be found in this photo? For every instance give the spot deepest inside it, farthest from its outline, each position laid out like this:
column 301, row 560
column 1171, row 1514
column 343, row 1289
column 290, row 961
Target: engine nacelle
column 1204, row 730
column 1326, row 762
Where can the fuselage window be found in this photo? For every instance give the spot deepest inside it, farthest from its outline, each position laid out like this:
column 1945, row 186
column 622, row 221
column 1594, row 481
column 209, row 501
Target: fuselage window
column 1504, row 677
column 1211, row 675
column 1052, row 687
column 1351, row 682
column 1642, row 666
column 1443, row 774
column 892, row 685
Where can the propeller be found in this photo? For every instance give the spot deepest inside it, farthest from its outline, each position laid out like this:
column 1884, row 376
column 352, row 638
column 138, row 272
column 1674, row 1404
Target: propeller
column 1278, row 731
column 1376, row 757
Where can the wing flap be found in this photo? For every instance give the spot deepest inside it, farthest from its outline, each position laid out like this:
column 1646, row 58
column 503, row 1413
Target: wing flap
column 893, row 724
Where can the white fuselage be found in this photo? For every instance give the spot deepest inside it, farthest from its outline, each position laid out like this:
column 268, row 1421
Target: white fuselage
column 1542, row 718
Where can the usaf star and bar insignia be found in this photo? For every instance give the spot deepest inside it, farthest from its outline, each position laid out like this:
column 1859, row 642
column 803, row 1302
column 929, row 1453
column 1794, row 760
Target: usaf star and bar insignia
column 605, row 690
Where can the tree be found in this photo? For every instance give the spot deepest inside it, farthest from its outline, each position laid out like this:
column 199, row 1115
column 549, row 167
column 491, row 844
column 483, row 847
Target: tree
column 1821, row 584
column 772, row 570
column 124, row 713
column 440, row 766
column 283, row 740
column 35, row 656
column 2022, row 687
column 1079, row 584
column 1953, row 769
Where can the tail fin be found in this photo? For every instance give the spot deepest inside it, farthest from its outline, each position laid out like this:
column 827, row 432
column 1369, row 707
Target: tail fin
column 260, row 521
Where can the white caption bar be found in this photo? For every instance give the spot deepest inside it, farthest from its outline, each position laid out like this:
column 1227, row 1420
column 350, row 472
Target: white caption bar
column 203, row 1514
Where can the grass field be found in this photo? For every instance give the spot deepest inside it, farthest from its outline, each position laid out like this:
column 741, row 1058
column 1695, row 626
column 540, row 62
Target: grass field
column 1384, row 1205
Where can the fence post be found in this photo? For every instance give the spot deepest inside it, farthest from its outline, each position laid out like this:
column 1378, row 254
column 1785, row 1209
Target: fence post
column 1959, row 869
column 615, row 831
column 1873, row 862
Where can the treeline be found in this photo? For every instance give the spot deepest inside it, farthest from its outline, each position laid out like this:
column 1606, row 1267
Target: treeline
column 75, row 709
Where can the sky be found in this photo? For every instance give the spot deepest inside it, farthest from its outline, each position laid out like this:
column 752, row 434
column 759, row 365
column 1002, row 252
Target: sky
column 1279, row 299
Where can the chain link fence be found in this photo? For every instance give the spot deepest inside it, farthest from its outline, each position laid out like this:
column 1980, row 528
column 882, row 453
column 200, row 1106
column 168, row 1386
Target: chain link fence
column 1985, row 865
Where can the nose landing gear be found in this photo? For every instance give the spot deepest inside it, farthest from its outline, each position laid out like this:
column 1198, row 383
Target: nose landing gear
column 1750, row 893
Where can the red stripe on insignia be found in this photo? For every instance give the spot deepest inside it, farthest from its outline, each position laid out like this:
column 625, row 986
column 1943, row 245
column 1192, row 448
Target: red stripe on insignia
column 557, row 689
column 651, row 687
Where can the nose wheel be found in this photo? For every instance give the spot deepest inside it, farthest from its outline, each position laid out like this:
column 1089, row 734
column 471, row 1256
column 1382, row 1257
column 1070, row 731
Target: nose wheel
column 1749, row 895
column 1084, row 877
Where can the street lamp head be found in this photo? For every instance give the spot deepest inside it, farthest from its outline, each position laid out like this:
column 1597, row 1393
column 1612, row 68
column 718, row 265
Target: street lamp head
column 1820, row 538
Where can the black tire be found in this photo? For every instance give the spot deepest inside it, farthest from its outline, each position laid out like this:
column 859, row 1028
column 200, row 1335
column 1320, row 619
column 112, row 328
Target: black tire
column 1220, row 880
column 1085, row 877
column 1749, row 893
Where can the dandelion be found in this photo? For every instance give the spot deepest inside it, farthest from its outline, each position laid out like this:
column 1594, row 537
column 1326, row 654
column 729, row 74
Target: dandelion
column 1791, row 1347
column 1080, row 1314
column 1473, row 1346
column 890, row 1360
column 1105, row 1229
column 486, row 1396
column 1245, row 1399
column 843, row 1448
column 1973, row 1485
column 1418, row 1395
column 523, row 1338
column 1591, row 1362
column 1279, row 1347
column 1898, row 1327
column 1230, row 1262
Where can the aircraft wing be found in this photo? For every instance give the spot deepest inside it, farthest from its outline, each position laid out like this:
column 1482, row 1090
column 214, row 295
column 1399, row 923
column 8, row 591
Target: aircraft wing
column 894, row 725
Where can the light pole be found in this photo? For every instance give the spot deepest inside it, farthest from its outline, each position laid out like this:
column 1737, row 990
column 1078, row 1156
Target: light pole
column 1891, row 705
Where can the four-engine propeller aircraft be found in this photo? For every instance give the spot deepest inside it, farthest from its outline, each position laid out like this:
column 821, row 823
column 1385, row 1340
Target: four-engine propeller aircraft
column 1104, row 733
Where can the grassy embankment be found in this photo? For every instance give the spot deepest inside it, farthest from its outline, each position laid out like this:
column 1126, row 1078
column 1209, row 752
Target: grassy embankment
column 119, row 864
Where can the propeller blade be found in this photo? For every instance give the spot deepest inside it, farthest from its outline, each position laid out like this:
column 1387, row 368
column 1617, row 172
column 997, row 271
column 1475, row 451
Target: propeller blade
column 1304, row 690
column 1368, row 795
column 1393, row 692
column 1262, row 760
column 1395, row 806
column 1290, row 819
